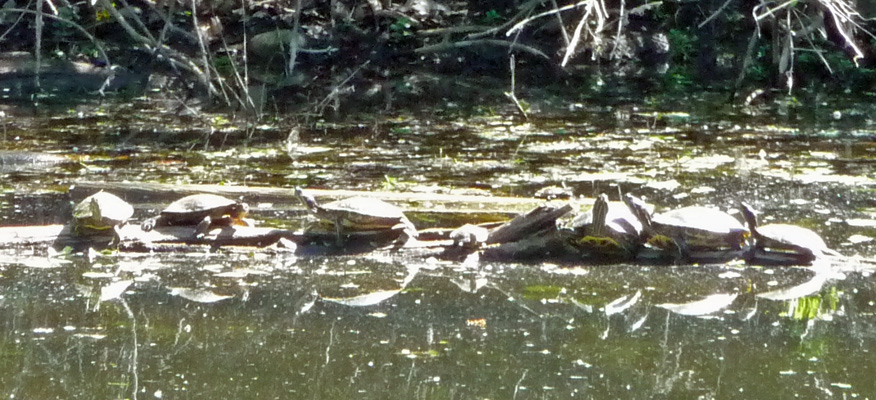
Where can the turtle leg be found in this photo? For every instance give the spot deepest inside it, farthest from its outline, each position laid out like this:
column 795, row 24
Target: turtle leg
column 203, row 227
column 117, row 237
column 682, row 250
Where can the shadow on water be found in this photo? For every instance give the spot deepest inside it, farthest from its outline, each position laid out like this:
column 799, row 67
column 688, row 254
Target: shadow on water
column 272, row 325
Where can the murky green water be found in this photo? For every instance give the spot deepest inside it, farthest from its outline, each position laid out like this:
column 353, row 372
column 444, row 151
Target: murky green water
column 273, row 325
column 506, row 331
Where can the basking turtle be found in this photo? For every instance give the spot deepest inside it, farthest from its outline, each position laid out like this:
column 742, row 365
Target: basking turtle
column 99, row 212
column 469, row 236
column 358, row 214
column 608, row 229
column 783, row 242
column 553, row 192
column 689, row 229
column 201, row 210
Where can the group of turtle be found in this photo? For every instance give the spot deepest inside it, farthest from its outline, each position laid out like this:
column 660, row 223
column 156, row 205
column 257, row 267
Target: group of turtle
column 103, row 211
column 626, row 229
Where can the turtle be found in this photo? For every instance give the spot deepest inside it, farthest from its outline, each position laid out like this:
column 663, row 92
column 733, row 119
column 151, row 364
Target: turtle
column 689, row 229
column 358, row 214
column 469, row 236
column 608, row 229
column 784, row 242
column 99, row 212
column 201, row 210
column 554, row 192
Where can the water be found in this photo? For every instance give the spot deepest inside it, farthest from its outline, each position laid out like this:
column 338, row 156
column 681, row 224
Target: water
column 504, row 331
column 270, row 324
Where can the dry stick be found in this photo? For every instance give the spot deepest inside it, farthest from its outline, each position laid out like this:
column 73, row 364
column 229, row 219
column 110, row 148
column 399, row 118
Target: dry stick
column 138, row 22
column 520, row 24
column 246, row 102
column 788, row 54
column 14, row 24
column 66, row 21
column 773, row 10
column 174, row 57
column 562, row 24
column 808, row 37
column 746, row 62
column 493, row 42
column 621, row 22
column 38, row 33
column 245, row 83
column 576, row 37
column 525, row 9
column 322, row 104
column 168, row 24
column 200, row 35
column 837, row 15
column 511, row 95
column 714, row 14
column 293, row 45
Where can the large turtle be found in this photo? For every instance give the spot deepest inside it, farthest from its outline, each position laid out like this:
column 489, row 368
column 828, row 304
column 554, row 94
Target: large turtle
column 608, row 229
column 99, row 212
column 784, row 243
column 202, row 211
column 358, row 214
column 689, row 229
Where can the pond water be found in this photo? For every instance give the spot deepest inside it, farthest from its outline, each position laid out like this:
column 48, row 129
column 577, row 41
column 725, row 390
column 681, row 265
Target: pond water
column 269, row 324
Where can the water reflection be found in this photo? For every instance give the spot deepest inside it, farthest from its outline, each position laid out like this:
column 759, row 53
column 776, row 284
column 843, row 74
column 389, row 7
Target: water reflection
column 497, row 332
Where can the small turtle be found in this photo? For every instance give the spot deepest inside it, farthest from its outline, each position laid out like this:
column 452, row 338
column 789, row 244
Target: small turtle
column 608, row 229
column 469, row 236
column 789, row 243
column 358, row 214
column 201, row 210
column 99, row 212
column 553, row 192
column 689, row 228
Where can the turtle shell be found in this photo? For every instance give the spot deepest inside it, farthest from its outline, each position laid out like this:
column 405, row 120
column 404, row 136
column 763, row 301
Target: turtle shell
column 102, row 210
column 687, row 228
column 197, row 206
column 362, row 213
column 701, row 227
column 790, row 237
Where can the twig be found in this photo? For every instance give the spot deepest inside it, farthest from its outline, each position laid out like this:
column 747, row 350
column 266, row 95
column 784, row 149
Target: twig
column 294, row 42
column 511, row 94
column 204, row 54
column 66, row 21
column 14, row 24
column 336, row 89
column 772, row 11
column 492, row 42
column 525, row 9
column 38, row 42
column 520, row 24
column 621, row 22
column 576, row 37
column 563, row 24
column 714, row 14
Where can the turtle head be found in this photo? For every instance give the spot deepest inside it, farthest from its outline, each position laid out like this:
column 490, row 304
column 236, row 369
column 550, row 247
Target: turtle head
column 749, row 214
column 305, row 198
column 600, row 212
column 638, row 208
column 240, row 210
